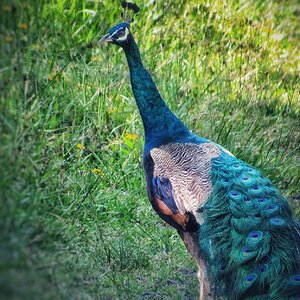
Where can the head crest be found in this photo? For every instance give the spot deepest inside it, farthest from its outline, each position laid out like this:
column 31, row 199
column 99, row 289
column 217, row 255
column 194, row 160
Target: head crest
column 129, row 10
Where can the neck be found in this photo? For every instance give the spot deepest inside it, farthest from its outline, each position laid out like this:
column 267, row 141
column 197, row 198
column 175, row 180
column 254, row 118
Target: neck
column 160, row 124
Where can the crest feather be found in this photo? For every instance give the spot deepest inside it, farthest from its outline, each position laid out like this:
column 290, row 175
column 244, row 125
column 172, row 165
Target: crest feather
column 129, row 10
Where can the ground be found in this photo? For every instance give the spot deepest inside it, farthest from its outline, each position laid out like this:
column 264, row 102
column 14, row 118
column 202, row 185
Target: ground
column 75, row 221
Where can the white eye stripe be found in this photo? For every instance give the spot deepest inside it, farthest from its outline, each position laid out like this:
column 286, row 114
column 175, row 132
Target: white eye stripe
column 116, row 32
column 124, row 37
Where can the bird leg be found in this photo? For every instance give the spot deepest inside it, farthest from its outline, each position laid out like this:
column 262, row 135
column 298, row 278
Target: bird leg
column 203, row 281
column 191, row 241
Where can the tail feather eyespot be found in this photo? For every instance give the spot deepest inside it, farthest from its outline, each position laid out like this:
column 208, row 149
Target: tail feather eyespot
column 261, row 200
column 246, row 253
column 256, row 240
column 225, row 182
column 236, row 167
column 276, row 221
column 235, row 195
column 247, row 200
column 255, row 236
column 295, row 280
column 262, row 268
column 272, row 208
column 255, row 190
column 253, row 172
column 249, row 280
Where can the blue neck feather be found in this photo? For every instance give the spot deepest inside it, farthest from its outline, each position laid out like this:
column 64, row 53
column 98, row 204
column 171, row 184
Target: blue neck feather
column 160, row 124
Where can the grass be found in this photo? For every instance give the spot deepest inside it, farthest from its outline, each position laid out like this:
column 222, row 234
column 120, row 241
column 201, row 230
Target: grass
column 75, row 221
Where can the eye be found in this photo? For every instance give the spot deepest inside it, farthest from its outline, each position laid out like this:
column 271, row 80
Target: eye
column 121, row 32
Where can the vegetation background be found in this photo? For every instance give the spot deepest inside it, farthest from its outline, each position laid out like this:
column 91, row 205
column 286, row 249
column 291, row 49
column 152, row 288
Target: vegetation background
column 74, row 218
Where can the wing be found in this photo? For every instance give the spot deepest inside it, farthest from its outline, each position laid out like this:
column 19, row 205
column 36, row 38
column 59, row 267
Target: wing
column 181, row 177
column 165, row 202
column 180, row 181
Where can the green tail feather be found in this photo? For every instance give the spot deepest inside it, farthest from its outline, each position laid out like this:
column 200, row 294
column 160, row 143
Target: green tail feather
column 250, row 238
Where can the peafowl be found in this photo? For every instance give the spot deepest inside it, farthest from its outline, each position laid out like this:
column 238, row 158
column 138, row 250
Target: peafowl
column 233, row 221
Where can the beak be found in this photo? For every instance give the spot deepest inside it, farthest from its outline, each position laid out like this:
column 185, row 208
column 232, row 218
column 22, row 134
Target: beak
column 106, row 38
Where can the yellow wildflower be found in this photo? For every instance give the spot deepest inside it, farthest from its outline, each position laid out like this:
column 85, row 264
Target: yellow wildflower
column 96, row 58
column 131, row 136
column 97, row 171
column 54, row 73
column 112, row 110
column 23, row 26
column 80, row 146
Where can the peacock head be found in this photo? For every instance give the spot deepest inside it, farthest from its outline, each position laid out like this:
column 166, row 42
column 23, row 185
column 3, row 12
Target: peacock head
column 118, row 35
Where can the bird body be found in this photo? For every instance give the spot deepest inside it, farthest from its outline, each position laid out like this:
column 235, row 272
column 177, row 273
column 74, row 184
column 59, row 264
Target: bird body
column 233, row 221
